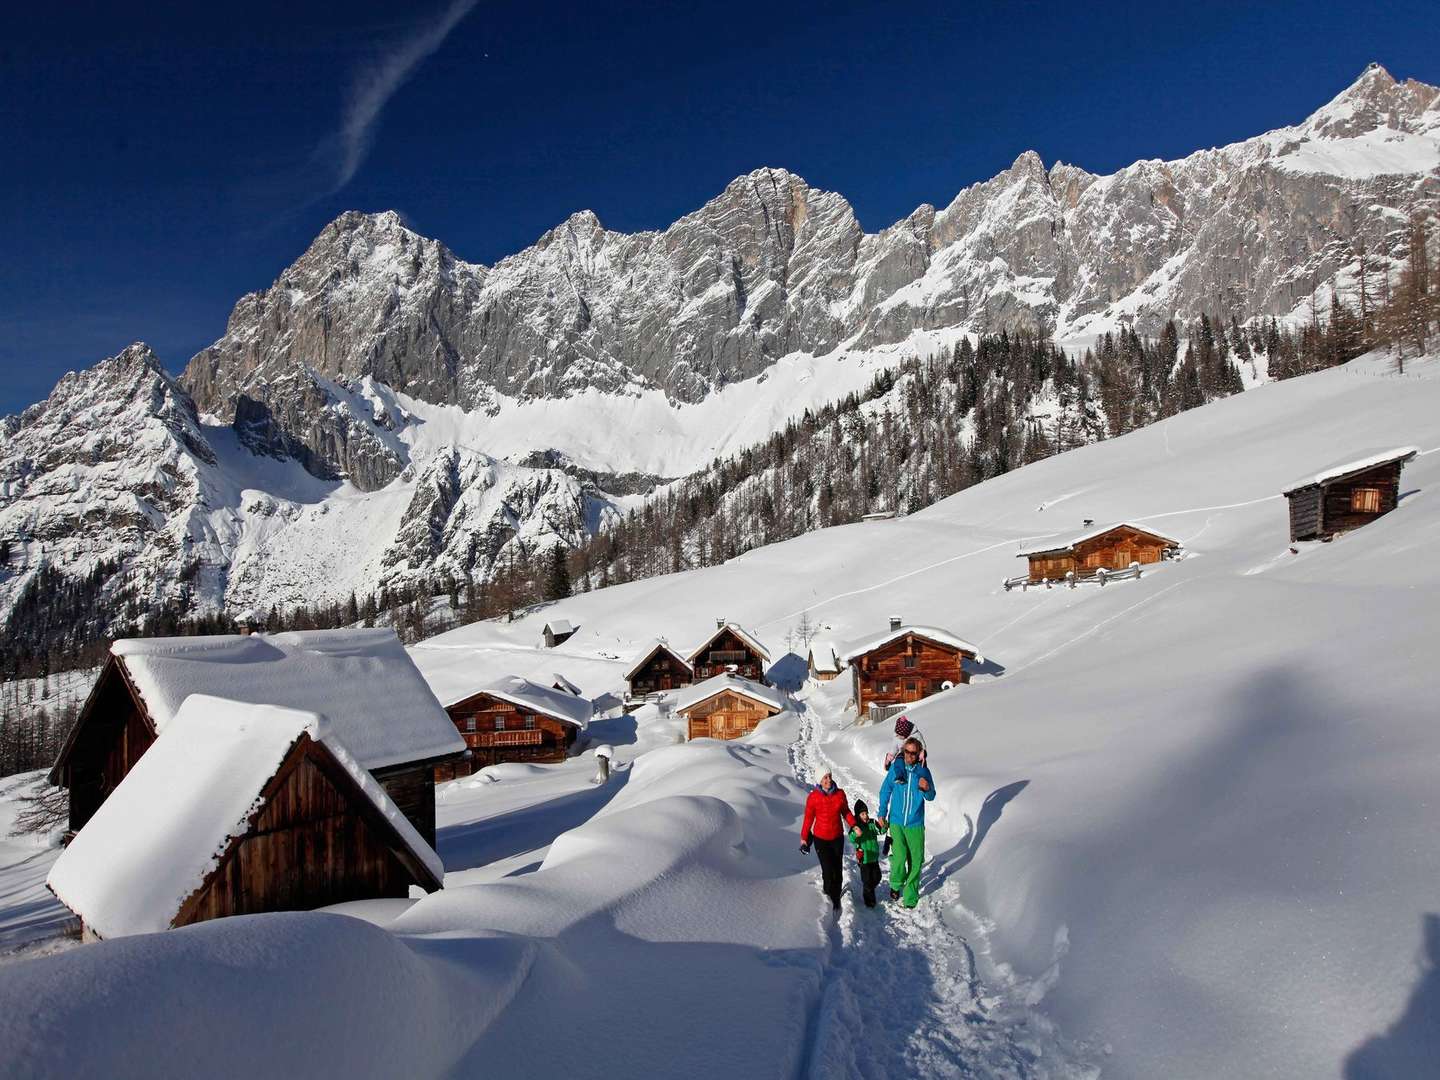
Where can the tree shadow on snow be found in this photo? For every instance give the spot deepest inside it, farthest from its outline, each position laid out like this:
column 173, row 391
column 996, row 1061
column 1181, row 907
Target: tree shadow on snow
column 1411, row 1047
column 963, row 853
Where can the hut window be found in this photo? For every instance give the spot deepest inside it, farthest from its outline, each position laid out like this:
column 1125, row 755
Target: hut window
column 882, row 688
column 499, row 723
column 529, row 723
column 470, row 723
column 911, row 661
column 1365, row 500
column 910, row 685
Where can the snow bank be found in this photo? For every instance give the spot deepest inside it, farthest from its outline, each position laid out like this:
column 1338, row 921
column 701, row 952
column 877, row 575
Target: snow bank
column 703, row 691
column 362, row 680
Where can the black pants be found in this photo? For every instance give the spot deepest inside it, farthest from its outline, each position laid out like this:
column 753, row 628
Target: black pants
column 830, row 853
column 869, row 879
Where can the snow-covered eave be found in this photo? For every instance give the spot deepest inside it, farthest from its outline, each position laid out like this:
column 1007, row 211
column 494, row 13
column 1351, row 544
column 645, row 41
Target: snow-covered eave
column 1070, row 544
column 536, row 702
column 1343, row 470
column 740, row 632
column 719, row 684
column 935, row 634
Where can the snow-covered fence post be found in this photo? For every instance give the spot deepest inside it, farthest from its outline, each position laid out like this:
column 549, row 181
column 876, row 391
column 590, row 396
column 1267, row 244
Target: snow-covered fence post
column 1070, row 578
column 1100, row 574
column 603, row 754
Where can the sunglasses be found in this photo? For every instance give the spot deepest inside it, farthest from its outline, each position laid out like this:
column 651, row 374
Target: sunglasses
column 911, row 753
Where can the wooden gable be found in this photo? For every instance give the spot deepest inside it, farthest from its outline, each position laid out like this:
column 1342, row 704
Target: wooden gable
column 726, row 715
column 906, row 669
column 727, row 650
column 316, row 839
column 496, row 730
column 663, row 669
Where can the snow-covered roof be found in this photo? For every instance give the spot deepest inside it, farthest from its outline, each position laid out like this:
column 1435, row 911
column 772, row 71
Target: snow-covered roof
column 704, row 691
column 1357, row 463
column 562, row 683
column 560, row 626
column 362, row 680
column 932, row 633
column 650, row 650
column 1091, row 534
column 740, row 632
column 164, row 828
column 824, row 656
column 542, row 699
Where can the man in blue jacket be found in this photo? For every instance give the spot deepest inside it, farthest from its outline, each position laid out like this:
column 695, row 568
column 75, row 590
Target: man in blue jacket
column 907, row 788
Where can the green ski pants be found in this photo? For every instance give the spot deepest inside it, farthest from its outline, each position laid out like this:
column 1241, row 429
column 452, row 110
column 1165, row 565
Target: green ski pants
column 907, row 855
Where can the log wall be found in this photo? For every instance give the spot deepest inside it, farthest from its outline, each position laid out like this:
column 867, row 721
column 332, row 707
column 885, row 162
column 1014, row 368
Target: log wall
column 727, row 650
column 727, row 715
column 496, row 730
column 905, row 670
column 663, row 671
column 1113, row 550
column 112, row 732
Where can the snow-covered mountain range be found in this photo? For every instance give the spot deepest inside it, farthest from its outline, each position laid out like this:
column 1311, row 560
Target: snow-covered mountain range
column 387, row 411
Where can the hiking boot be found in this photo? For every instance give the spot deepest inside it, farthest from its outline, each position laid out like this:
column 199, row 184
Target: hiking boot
column 894, row 894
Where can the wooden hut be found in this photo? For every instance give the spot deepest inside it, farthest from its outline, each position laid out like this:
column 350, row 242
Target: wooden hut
column 1347, row 494
column 362, row 681
column 236, row 809
column 558, row 630
column 731, row 649
column 727, row 707
column 514, row 719
column 907, row 663
column 658, row 669
column 824, row 661
column 1103, row 547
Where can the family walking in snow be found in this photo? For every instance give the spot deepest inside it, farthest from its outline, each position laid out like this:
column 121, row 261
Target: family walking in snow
column 907, row 787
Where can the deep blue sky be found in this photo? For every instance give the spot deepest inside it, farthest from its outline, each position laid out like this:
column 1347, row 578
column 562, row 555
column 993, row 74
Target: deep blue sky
column 158, row 162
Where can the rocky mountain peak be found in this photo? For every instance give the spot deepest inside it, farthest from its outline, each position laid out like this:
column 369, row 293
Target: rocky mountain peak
column 1374, row 100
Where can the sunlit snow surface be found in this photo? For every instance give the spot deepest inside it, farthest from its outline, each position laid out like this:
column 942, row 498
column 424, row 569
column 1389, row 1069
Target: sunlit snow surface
column 1185, row 824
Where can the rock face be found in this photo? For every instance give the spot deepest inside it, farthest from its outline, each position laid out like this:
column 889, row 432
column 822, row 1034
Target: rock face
column 773, row 266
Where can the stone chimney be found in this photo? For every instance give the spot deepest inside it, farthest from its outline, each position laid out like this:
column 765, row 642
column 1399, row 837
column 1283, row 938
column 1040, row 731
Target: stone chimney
column 719, row 624
column 895, row 622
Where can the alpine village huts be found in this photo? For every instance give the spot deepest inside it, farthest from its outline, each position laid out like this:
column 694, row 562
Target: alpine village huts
column 824, row 661
column 727, row 707
column 514, row 719
column 657, row 669
column 236, row 809
column 731, row 648
column 1103, row 547
column 557, row 631
column 361, row 680
column 1347, row 494
column 907, row 663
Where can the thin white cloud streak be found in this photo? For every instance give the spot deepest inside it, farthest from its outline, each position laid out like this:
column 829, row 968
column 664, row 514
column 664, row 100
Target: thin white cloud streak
column 375, row 87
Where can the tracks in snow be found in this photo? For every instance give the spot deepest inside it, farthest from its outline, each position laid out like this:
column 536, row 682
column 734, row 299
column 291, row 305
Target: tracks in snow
column 902, row 994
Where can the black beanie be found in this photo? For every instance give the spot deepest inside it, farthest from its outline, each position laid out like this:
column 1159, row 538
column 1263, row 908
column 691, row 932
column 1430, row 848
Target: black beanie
column 860, row 807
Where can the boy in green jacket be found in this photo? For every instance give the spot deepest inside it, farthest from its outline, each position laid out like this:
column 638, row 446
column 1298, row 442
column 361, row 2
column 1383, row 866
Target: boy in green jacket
column 866, row 838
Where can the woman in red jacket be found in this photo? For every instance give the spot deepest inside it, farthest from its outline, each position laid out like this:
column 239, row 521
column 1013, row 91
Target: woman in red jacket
column 825, row 808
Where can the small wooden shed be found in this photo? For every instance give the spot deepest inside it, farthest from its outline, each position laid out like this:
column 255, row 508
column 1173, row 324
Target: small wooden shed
column 823, row 662
column 658, row 669
column 1103, row 547
column 727, row 707
column 514, row 719
column 1348, row 494
column 238, row 809
column 557, row 631
column 731, row 649
column 907, row 663
column 363, row 681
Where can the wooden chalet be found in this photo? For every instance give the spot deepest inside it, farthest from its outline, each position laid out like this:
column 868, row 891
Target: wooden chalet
column 1104, row 547
column 731, row 649
column 557, row 631
column 823, row 661
column 658, row 669
column 238, row 809
column 907, row 663
column 514, row 719
column 1347, row 495
column 727, row 707
column 362, row 681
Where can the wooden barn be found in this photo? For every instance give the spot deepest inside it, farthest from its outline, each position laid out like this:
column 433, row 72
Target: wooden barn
column 557, row 631
column 362, row 681
column 514, row 719
column 238, row 809
column 1347, row 494
column 907, row 663
column 658, row 669
column 824, row 661
column 1104, row 547
column 727, row 707
column 731, row 649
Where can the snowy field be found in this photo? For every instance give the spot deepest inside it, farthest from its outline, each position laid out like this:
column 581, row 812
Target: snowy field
column 1185, row 824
